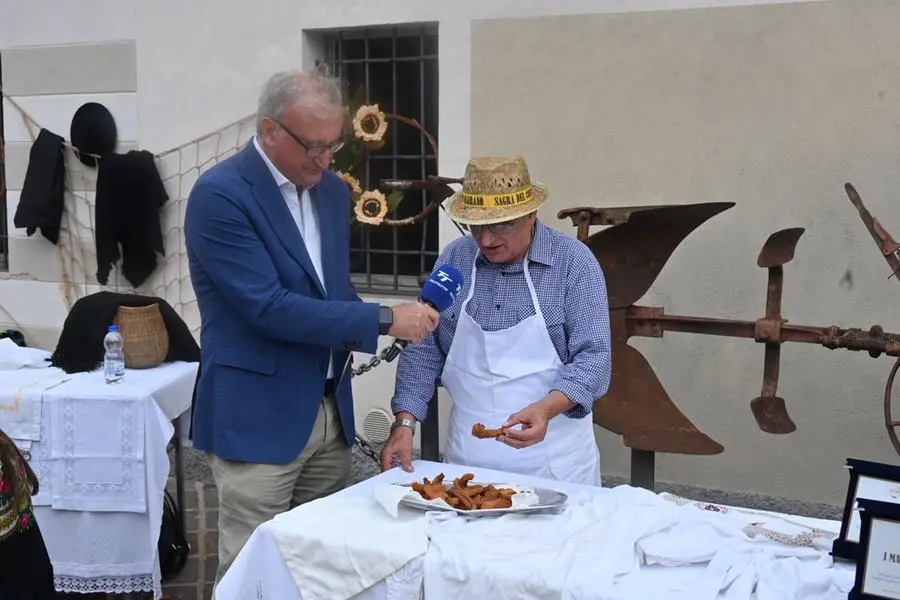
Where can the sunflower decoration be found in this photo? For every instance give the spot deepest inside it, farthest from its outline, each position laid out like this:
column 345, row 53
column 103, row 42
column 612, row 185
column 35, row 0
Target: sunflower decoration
column 352, row 182
column 371, row 207
column 370, row 125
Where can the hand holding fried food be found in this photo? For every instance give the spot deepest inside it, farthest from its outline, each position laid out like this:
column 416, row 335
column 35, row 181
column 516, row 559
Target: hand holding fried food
column 480, row 431
column 463, row 496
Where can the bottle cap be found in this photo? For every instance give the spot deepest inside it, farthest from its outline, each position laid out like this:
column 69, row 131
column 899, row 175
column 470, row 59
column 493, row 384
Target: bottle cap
column 113, row 328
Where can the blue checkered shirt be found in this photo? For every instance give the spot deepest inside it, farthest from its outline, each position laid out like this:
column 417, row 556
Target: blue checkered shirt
column 571, row 291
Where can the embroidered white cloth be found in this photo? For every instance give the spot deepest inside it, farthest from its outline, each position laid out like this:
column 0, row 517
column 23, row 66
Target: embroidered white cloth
column 40, row 461
column 98, row 461
column 108, row 551
column 20, row 410
column 97, row 436
column 113, row 551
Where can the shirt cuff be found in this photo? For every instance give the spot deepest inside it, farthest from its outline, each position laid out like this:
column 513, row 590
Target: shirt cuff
column 584, row 400
column 415, row 406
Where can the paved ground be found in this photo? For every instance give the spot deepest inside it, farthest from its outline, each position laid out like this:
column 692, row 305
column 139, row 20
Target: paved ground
column 195, row 582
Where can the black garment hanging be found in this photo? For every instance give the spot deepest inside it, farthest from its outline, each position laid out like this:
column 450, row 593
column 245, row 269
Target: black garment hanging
column 130, row 194
column 43, row 192
column 80, row 347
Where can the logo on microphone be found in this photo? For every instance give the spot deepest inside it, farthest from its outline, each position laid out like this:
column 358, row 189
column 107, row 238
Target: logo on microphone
column 445, row 278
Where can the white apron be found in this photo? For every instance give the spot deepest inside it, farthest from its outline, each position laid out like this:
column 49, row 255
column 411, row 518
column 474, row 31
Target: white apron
column 493, row 374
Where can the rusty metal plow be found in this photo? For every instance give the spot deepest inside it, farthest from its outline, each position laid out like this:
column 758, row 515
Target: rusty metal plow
column 632, row 251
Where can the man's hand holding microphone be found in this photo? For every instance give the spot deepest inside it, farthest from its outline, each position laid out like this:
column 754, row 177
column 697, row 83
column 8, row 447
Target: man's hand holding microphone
column 413, row 321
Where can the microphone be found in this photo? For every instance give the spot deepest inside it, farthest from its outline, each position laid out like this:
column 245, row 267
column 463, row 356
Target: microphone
column 439, row 292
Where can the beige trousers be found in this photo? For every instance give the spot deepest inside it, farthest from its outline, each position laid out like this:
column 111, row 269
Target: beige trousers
column 251, row 494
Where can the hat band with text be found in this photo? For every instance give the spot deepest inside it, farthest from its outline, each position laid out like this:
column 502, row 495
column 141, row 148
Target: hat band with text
column 498, row 200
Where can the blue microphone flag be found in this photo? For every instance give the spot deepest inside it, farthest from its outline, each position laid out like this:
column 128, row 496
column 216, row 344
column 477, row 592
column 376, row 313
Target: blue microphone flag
column 442, row 287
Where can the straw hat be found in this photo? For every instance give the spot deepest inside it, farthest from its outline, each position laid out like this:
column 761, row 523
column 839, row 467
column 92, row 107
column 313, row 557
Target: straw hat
column 496, row 189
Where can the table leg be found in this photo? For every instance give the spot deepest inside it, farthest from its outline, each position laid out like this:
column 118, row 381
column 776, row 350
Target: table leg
column 643, row 469
column 179, row 474
column 429, row 431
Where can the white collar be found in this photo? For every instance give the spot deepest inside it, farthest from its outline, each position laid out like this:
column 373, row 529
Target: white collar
column 280, row 179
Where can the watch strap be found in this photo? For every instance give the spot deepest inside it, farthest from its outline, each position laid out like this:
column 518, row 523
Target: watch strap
column 403, row 422
column 385, row 319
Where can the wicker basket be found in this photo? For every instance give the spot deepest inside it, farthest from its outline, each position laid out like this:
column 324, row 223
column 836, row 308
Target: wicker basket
column 144, row 333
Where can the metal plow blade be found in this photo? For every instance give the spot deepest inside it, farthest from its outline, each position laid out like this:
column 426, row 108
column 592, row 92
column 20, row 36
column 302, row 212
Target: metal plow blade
column 634, row 252
column 768, row 409
column 639, row 409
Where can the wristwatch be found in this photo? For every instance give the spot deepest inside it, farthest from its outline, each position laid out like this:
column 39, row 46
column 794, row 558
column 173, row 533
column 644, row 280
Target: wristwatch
column 385, row 319
column 404, row 422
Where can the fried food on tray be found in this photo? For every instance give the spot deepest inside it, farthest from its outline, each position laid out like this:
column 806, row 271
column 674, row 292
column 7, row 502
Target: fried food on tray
column 432, row 490
column 463, row 496
column 480, row 431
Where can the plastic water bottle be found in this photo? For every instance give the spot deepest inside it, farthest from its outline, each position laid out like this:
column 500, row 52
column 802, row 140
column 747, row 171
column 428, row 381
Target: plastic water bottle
column 114, row 359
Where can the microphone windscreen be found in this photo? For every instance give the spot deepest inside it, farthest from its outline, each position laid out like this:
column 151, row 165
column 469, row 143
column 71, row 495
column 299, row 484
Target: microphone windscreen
column 442, row 287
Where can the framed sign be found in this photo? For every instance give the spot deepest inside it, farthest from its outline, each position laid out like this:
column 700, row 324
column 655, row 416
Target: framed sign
column 872, row 481
column 878, row 560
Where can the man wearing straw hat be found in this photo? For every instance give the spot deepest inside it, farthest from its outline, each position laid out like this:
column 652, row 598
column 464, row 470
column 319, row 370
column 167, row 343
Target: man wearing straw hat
column 526, row 347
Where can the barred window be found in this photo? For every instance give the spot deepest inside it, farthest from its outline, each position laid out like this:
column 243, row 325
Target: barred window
column 397, row 67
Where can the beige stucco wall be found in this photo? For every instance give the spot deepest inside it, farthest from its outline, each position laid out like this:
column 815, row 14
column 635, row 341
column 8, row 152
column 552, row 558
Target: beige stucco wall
column 772, row 107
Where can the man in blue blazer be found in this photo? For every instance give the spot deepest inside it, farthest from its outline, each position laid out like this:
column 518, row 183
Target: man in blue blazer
column 266, row 233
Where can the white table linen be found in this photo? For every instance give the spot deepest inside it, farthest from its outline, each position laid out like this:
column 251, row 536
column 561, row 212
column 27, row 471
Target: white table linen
column 102, row 464
column 14, row 357
column 327, row 557
column 595, row 549
column 22, row 401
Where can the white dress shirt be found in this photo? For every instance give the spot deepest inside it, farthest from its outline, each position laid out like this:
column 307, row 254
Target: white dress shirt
column 304, row 213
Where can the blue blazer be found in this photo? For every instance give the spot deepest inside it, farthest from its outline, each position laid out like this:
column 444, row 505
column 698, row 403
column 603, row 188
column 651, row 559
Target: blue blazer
column 268, row 326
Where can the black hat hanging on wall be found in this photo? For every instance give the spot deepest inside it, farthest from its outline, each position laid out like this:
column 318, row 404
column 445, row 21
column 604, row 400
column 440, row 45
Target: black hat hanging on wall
column 93, row 131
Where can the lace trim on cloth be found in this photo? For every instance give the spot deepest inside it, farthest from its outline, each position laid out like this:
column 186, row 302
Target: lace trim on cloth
column 123, row 584
column 805, row 539
column 126, row 483
column 40, row 464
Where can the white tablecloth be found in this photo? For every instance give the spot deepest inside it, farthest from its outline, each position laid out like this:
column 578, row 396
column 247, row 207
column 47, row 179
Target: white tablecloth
column 102, row 465
column 710, row 545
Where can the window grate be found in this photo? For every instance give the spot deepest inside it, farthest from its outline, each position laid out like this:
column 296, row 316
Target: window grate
column 397, row 68
column 4, row 226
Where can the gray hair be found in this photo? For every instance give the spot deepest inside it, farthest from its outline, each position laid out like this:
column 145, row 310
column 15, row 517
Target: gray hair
column 311, row 90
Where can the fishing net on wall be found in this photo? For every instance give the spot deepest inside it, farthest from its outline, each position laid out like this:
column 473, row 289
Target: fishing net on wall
column 179, row 169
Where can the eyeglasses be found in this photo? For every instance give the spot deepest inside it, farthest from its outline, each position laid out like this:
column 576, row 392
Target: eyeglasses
column 312, row 149
column 504, row 228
